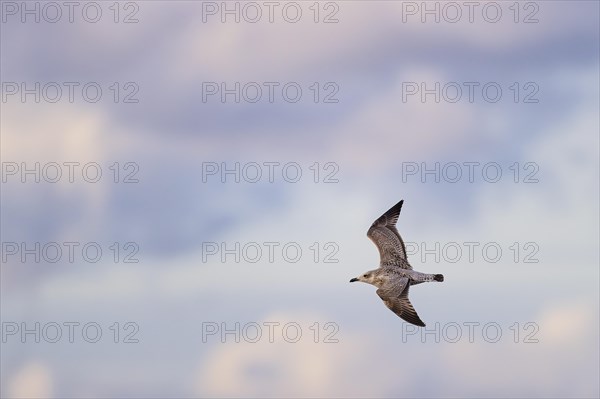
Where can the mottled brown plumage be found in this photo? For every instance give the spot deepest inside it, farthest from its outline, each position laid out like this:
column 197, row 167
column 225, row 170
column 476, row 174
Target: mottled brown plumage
column 394, row 275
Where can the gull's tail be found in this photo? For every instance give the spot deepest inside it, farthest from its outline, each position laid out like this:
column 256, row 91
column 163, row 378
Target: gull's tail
column 438, row 277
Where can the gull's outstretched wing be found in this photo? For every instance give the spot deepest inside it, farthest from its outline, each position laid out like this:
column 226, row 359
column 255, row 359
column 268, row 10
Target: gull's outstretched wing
column 396, row 298
column 384, row 234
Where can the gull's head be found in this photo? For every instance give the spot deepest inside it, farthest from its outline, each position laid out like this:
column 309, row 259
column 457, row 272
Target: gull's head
column 367, row 277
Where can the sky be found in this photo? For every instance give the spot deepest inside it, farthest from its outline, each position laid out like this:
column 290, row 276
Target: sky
column 186, row 189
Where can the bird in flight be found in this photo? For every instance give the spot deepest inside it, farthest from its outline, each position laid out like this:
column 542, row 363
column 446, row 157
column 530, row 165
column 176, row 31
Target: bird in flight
column 395, row 275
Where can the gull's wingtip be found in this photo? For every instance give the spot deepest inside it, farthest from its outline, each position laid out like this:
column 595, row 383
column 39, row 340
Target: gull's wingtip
column 397, row 207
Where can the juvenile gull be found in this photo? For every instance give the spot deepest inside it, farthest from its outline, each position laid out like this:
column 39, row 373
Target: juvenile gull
column 394, row 275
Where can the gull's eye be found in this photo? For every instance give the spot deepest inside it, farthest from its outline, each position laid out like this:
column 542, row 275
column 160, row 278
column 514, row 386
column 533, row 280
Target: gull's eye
column 366, row 275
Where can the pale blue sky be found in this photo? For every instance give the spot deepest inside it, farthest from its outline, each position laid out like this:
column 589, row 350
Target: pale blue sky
column 370, row 134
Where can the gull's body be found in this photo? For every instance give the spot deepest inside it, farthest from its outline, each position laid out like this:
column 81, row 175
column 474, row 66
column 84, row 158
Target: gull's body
column 394, row 275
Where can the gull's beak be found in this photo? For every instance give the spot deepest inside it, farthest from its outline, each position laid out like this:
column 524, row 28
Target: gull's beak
column 353, row 280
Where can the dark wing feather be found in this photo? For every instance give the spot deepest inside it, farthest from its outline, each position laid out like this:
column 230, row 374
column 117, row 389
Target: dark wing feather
column 400, row 304
column 384, row 234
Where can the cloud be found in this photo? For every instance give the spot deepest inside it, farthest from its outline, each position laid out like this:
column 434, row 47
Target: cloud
column 301, row 369
column 33, row 380
column 533, row 365
column 566, row 336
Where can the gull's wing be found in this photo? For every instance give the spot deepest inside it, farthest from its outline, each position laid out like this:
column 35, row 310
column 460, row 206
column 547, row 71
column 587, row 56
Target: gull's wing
column 396, row 298
column 384, row 234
